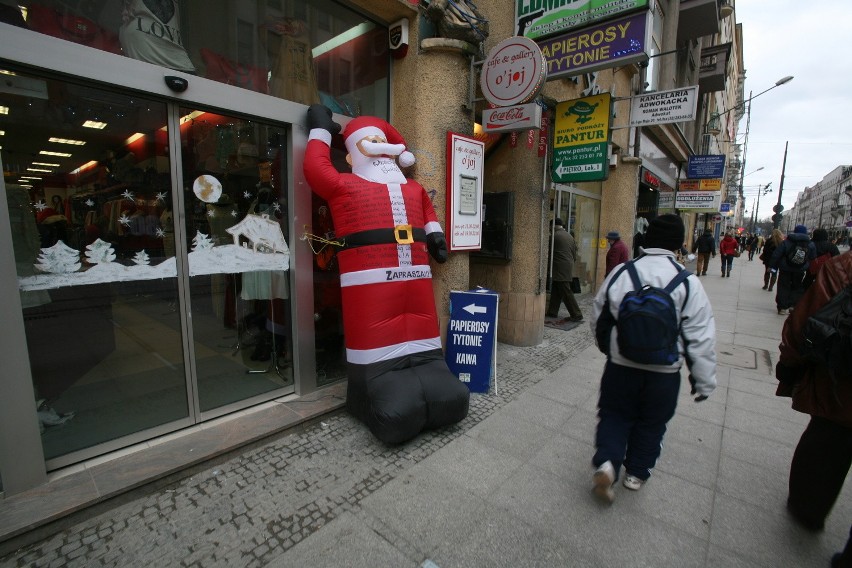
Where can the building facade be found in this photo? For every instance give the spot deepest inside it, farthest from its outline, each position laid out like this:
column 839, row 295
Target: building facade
column 167, row 264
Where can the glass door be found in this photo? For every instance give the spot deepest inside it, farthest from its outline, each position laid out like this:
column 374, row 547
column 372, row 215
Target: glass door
column 148, row 305
column 235, row 199
column 581, row 215
column 87, row 175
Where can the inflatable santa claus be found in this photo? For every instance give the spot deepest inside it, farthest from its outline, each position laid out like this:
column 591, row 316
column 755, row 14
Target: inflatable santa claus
column 399, row 383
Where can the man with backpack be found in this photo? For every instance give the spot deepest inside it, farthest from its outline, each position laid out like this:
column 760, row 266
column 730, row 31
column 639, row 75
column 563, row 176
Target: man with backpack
column 791, row 260
column 814, row 369
column 650, row 315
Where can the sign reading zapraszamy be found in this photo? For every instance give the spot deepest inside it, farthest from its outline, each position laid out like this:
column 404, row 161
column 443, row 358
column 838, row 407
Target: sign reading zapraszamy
column 677, row 105
column 541, row 18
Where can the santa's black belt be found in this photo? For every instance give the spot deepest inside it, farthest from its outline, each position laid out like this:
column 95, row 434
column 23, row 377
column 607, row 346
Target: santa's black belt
column 399, row 235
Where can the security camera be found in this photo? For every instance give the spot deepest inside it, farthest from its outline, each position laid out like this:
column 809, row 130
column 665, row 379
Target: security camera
column 177, row 84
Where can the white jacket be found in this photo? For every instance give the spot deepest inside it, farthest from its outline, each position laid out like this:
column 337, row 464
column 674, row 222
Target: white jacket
column 696, row 317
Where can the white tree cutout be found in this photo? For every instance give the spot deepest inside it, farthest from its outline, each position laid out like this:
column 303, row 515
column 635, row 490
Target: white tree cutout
column 58, row 259
column 141, row 258
column 201, row 242
column 99, row 252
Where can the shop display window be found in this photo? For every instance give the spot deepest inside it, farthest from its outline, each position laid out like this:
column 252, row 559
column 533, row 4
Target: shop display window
column 112, row 287
column 303, row 51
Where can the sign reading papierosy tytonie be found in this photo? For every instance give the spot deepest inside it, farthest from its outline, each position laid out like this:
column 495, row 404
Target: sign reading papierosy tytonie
column 513, row 73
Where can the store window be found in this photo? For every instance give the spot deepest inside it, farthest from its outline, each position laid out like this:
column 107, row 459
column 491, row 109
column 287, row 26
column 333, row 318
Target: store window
column 270, row 47
column 148, row 305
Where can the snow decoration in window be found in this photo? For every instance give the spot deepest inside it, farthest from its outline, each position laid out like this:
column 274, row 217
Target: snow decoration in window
column 58, row 259
column 141, row 258
column 99, row 252
column 41, row 205
column 128, row 195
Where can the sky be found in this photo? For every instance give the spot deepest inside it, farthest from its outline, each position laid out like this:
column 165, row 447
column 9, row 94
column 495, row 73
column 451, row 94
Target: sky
column 813, row 112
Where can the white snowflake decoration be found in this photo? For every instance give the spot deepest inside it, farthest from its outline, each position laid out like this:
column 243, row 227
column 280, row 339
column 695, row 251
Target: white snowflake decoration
column 160, row 233
column 247, row 194
column 141, row 258
column 128, row 195
column 124, row 220
column 90, row 203
column 161, row 196
column 276, row 207
column 58, row 259
column 211, row 213
column 99, row 252
column 234, row 213
column 41, row 206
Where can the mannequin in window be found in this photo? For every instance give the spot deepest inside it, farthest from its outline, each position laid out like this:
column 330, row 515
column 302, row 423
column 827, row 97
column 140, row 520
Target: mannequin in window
column 290, row 60
column 150, row 31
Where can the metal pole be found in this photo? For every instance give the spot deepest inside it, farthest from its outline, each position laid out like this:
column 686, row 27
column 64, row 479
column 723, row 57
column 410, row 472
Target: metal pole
column 778, row 207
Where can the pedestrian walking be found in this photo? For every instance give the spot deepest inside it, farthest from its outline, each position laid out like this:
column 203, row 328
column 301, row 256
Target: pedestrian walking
column 791, row 259
column 704, row 247
column 823, row 455
column 729, row 249
column 617, row 253
column 825, row 249
column 637, row 399
column 564, row 255
column 752, row 246
column 770, row 275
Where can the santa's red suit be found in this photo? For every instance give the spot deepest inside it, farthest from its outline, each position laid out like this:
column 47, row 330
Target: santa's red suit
column 399, row 383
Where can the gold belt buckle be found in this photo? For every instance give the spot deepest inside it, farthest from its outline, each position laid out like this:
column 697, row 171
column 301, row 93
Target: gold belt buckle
column 399, row 230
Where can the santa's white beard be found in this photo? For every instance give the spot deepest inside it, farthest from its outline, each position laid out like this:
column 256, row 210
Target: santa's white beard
column 379, row 170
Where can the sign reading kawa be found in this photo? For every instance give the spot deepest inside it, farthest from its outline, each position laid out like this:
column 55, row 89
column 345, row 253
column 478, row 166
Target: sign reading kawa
column 677, row 105
column 581, row 138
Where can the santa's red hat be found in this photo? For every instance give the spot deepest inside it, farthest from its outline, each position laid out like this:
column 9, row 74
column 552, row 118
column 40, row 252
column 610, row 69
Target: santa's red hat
column 363, row 126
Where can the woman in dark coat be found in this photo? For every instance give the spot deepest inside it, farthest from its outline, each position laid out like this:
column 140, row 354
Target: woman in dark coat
column 773, row 242
column 825, row 249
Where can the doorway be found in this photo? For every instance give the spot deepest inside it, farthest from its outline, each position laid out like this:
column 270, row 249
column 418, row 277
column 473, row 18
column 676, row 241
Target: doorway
column 151, row 246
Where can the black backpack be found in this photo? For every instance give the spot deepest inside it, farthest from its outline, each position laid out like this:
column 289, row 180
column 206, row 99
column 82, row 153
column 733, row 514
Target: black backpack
column 827, row 335
column 648, row 325
column 797, row 255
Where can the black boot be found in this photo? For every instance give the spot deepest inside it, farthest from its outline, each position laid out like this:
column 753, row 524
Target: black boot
column 263, row 349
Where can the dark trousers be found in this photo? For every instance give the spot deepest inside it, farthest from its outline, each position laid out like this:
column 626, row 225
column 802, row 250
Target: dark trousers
column 819, row 468
column 789, row 289
column 702, row 263
column 727, row 263
column 560, row 290
column 634, row 407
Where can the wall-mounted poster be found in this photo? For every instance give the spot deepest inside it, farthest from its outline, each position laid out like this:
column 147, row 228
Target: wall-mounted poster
column 465, row 163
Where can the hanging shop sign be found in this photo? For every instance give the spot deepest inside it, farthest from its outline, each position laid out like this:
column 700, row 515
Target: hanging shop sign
column 471, row 352
column 697, row 201
column 513, row 73
column 700, row 184
column 650, row 179
column 580, row 139
column 465, row 163
column 610, row 44
column 706, row 166
column 539, row 18
column 512, row 119
column 676, row 105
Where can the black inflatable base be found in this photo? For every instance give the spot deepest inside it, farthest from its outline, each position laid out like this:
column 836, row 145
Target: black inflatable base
column 399, row 403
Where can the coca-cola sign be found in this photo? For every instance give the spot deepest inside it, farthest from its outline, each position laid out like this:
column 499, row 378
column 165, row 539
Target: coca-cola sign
column 511, row 118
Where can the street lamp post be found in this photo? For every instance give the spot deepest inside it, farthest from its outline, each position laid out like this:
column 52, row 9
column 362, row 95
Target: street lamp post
column 776, row 219
column 760, row 191
column 848, row 191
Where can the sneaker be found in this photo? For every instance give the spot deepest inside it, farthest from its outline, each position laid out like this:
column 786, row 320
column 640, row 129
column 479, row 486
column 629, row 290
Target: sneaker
column 633, row 483
column 603, row 479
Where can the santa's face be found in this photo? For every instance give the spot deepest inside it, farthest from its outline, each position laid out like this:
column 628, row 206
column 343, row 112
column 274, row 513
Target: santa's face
column 372, row 158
